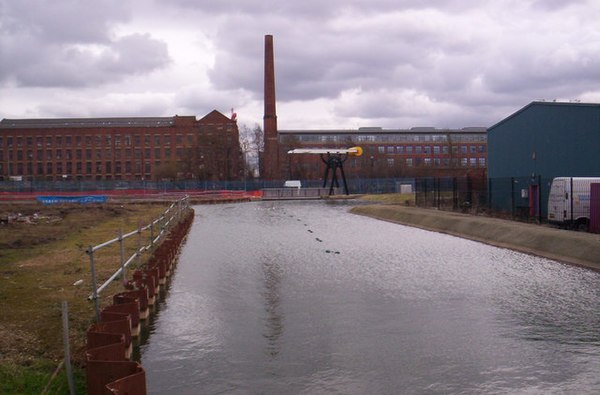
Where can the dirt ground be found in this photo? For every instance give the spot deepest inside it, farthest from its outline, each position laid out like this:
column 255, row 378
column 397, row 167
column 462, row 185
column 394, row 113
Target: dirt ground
column 43, row 262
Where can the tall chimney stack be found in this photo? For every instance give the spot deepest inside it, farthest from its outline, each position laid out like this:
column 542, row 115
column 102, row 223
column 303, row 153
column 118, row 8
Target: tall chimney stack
column 270, row 166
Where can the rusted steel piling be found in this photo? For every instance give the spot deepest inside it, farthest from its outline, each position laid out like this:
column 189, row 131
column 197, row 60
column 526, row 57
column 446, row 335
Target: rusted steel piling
column 109, row 369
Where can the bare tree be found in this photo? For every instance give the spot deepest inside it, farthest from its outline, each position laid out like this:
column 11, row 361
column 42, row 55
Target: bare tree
column 251, row 144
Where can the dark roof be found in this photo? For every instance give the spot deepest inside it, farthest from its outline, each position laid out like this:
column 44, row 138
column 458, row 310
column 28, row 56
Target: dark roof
column 86, row 122
column 377, row 130
column 544, row 103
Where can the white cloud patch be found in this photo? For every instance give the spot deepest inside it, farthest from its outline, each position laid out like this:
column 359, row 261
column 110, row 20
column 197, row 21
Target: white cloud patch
column 87, row 65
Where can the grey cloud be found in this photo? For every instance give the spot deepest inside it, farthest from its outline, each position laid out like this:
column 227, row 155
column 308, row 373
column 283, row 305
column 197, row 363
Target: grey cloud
column 439, row 60
column 554, row 5
column 76, row 66
column 72, row 44
column 547, row 74
column 311, row 65
column 315, row 58
column 59, row 20
column 195, row 100
column 83, row 105
column 316, row 9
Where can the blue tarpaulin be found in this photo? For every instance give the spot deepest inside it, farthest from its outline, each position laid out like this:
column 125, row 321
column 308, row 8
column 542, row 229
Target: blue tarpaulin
column 72, row 199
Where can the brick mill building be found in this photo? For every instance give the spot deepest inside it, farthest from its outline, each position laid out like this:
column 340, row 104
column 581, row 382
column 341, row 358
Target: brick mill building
column 415, row 152
column 148, row 148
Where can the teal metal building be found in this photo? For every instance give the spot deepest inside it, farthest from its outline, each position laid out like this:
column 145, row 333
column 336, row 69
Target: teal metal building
column 541, row 141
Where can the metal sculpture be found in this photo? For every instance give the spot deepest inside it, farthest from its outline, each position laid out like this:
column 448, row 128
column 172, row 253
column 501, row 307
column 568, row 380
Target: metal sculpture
column 334, row 159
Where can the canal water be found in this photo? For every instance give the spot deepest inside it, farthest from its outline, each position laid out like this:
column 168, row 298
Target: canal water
column 305, row 298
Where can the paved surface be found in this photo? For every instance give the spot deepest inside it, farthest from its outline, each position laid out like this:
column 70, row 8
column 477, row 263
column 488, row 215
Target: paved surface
column 578, row 248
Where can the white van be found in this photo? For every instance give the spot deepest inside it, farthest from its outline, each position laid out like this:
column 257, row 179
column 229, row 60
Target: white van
column 570, row 209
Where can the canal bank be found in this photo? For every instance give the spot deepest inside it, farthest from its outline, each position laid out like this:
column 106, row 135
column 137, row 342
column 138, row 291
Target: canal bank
column 577, row 248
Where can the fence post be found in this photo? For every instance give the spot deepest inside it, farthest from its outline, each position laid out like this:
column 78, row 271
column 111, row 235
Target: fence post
column 139, row 253
column 540, row 199
column 489, row 197
column 90, row 252
column 122, row 257
column 455, row 193
column 512, row 197
column 470, row 190
column 152, row 235
column 571, row 201
column 65, row 322
column 438, row 195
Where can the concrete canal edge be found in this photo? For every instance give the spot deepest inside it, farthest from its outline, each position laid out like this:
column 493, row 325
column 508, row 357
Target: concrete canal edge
column 576, row 248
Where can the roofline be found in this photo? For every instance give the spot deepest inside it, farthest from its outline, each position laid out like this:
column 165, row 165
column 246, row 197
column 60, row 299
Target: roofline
column 473, row 130
column 542, row 103
column 50, row 123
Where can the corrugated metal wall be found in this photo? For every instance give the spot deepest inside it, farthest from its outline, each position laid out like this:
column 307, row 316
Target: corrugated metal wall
column 543, row 138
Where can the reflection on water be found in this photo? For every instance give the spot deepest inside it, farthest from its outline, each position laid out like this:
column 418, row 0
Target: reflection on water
column 305, row 298
column 274, row 319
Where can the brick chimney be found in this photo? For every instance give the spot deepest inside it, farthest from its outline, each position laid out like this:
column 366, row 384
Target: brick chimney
column 270, row 166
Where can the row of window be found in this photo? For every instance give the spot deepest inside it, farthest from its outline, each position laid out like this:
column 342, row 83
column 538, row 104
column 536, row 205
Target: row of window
column 69, row 168
column 437, row 162
column 371, row 138
column 89, row 154
column 97, row 140
column 428, row 149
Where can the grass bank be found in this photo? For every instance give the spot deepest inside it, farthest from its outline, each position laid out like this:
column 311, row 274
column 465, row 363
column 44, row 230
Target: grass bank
column 576, row 248
column 42, row 256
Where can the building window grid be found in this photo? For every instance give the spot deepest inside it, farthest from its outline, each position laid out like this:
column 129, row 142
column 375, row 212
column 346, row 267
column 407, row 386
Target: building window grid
column 187, row 138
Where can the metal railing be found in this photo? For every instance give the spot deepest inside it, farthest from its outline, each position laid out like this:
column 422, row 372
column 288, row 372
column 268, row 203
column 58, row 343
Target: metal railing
column 162, row 224
column 296, row 193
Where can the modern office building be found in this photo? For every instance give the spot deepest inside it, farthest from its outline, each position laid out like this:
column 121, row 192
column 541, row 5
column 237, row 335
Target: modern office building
column 121, row 148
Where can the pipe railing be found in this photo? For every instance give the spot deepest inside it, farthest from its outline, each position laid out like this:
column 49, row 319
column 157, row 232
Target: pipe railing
column 169, row 217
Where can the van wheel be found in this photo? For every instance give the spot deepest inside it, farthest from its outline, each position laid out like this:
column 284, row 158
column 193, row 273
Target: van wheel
column 582, row 225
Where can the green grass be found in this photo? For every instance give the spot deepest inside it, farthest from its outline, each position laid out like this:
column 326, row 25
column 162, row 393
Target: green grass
column 34, row 377
column 39, row 263
column 406, row 199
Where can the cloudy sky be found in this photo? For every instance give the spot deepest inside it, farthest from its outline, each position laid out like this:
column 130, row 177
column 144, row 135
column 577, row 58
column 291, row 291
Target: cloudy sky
column 338, row 63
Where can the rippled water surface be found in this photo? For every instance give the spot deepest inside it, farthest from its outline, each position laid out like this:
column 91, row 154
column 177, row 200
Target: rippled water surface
column 304, row 298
